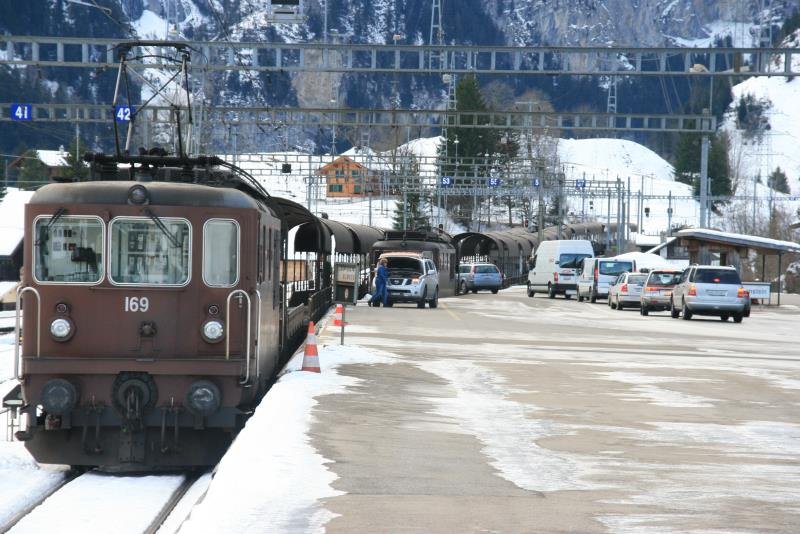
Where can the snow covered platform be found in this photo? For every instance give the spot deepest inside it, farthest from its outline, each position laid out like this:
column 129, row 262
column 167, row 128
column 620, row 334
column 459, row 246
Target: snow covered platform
column 510, row 414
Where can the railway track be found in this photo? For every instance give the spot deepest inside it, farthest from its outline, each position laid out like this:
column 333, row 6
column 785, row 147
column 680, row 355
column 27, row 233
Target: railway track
column 119, row 493
column 11, row 523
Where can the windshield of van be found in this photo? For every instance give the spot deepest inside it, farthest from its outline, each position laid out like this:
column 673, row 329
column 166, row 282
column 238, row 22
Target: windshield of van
column 614, row 268
column 572, row 261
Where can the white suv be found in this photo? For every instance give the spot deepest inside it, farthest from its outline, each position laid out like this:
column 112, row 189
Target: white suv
column 412, row 278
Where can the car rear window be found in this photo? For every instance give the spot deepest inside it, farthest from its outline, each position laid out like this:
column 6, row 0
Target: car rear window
column 637, row 279
column 716, row 276
column 614, row 267
column 485, row 269
column 572, row 261
column 663, row 279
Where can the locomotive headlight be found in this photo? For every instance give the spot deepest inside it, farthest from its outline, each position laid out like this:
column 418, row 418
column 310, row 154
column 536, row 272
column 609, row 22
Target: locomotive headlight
column 213, row 331
column 59, row 396
column 203, row 398
column 61, row 329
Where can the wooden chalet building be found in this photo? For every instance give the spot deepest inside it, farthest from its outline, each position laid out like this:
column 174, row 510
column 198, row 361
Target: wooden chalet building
column 350, row 175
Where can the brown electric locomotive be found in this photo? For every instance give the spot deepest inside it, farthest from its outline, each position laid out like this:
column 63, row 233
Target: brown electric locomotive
column 151, row 305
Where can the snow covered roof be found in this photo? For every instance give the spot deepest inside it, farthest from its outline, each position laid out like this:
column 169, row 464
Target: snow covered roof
column 12, row 220
column 53, row 158
column 749, row 241
column 645, row 260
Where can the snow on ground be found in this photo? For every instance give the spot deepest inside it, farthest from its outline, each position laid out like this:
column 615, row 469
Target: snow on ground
column 272, row 476
column 22, row 480
column 143, row 498
column 507, row 428
column 738, row 31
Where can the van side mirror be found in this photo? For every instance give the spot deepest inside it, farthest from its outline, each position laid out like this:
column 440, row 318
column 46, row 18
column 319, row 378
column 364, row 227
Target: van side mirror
column 431, row 271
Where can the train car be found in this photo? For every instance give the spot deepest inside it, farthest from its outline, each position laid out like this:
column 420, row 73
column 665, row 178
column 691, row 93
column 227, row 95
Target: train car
column 436, row 243
column 154, row 314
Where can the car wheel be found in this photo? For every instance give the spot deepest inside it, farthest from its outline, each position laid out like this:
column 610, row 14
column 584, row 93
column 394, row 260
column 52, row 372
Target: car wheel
column 567, row 296
column 463, row 288
column 551, row 292
column 389, row 304
column 620, row 305
column 738, row 318
column 580, row 297
column 723, row 317
column 494, row 291
column 421, row 302
column 644, row 311
column 592, row 297
column 530, row 291
column 611, row 304
column 686, row 313
column 435, row 302
column 674, row 313
column 474, row 291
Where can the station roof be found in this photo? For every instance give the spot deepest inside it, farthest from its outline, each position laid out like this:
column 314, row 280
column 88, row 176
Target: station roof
column 763, row 245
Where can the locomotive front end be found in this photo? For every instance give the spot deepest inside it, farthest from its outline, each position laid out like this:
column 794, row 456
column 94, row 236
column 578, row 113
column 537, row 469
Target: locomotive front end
column 142, row 322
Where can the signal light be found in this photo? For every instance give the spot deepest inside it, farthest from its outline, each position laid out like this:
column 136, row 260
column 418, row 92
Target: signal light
column 623, row 288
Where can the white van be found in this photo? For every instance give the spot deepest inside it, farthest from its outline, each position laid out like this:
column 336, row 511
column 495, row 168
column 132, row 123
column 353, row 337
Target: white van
column 554, row 266
column 597, row 274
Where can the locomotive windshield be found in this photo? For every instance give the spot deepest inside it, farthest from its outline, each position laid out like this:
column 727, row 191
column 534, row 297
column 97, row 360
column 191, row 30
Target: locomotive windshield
column 68, row 249
column 146, row 253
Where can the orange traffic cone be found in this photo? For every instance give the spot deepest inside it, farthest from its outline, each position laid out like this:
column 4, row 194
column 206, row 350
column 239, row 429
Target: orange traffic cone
column 310, row 356
column 337, row 316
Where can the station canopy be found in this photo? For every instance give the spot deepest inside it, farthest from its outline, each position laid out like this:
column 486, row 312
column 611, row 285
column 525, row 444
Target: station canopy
column 763, row 245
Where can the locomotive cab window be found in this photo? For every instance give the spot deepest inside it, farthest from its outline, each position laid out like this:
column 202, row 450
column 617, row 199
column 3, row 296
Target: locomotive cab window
column 68, row 249
column 221, row 252
column 150, row 251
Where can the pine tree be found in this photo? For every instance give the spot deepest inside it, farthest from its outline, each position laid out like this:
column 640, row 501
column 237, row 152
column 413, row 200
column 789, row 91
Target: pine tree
column 687, row 163
column 33, row 173
column 76, row 170
column 777, row 181
column 412, row 211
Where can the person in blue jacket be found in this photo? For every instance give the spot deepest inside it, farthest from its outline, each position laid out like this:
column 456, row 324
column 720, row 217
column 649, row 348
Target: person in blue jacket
column 381, row 280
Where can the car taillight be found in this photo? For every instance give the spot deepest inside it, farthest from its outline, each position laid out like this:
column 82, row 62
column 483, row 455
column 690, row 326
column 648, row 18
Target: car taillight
column 742, row 293
column 555, row 277
column 650, row 288
column 623, row 288
column 692, row 291
column 596, row 273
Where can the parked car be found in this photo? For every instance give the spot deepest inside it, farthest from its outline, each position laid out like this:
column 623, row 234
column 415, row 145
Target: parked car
column 626, row 290
column 657, row 290
column 412, row 278
column 710, row 290
column 554, row 266
column 476, row 276
column 597, row 274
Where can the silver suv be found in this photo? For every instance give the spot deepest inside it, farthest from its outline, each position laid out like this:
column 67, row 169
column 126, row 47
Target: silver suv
column 710, row 290
column 412, row 278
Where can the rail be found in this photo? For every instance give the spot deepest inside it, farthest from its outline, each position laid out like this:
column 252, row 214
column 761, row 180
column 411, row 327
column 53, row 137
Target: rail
column 21, row 291
column 228, row 330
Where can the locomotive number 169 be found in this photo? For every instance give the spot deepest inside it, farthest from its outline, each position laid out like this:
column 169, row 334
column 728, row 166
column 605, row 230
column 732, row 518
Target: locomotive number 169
column 137, row 304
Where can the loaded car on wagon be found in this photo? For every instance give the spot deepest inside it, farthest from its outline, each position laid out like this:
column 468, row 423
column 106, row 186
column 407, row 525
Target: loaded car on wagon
column 413, row 277
column 476, row 276
column 710, row 290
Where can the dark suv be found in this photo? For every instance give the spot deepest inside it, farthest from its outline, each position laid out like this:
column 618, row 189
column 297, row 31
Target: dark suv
column 710, row 290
